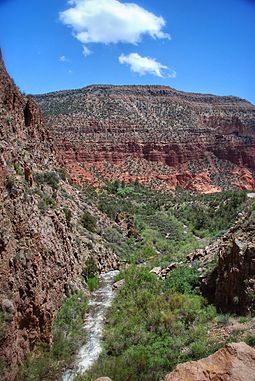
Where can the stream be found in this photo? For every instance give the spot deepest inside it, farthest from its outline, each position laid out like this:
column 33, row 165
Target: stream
column 100, row 301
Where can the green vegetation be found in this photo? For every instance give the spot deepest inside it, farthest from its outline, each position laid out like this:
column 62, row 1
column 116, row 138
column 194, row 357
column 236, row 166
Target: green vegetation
column 88, row 221
column 17, row 169
column 68, row 215
column 151, row 329
column 46, row 363
column 182, row 280
column 250, row 339
column 10, row 183
column 49, row 178
column 93, row 283
column 90, row 274
column 171, row 225
column 153, row 324
column 46, row 201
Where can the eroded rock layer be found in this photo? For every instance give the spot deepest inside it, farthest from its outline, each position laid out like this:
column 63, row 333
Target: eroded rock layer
column 43, row 248
column 155, row 135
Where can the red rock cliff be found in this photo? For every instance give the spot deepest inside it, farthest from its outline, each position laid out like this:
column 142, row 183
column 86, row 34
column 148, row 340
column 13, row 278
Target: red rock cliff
column 155, row 135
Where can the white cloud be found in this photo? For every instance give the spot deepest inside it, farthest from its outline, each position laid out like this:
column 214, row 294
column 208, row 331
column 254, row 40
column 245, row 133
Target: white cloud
column 86, row 51
column 146, row 65
column 63, row 59
column 111, row 21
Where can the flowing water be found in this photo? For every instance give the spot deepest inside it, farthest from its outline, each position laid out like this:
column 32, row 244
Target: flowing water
column 100, row 301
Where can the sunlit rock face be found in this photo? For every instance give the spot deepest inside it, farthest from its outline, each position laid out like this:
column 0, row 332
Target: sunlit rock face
column 155, row 135
column 235, row 362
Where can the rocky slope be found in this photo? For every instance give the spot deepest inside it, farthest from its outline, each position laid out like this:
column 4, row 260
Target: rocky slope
column 230, row 284
column 235, row 362
column 43, row 246
column 155, row 135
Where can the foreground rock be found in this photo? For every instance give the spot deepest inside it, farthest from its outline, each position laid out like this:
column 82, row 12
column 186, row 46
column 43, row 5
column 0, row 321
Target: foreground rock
column 235, row 362
column 118, row 285
column 103, row 379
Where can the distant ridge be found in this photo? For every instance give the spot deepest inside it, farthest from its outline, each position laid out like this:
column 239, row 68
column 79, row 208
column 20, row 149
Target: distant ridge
column 154, row 134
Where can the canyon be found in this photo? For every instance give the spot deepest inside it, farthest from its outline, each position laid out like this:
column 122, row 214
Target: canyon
column 154, row 135
column 50, row 227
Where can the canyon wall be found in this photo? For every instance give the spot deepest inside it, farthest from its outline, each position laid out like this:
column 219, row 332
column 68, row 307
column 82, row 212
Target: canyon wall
column 155, row 135
column 43, row 247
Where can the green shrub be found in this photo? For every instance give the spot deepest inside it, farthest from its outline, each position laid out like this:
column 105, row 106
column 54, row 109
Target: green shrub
column 149, row 343
column 250, row 339
column 68, row 326
column 183, row 280
column 90, row 269
column 46, row 201
column 68, row 215
column 10, row 183
column 50, row 178
column 244, row 319
column 17, row 168
column 223, row 319
column 93, row 283
column 88, row 221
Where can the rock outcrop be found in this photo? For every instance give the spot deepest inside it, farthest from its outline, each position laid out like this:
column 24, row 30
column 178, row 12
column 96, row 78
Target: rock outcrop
column 155, row 135
column 230, row 285
column 43, row 248
column 235, row 362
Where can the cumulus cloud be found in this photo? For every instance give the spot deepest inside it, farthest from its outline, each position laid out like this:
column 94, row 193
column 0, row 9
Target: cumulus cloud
column 146, row 65
column 86, row 51
column 111, row 21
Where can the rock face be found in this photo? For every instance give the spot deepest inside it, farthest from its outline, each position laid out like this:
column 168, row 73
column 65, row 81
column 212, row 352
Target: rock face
column 231, row 283
column 235, row 362
column 42, row 246
column 155, row 135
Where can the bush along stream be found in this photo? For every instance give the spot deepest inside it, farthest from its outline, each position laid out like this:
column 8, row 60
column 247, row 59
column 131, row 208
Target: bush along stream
column 153, row 323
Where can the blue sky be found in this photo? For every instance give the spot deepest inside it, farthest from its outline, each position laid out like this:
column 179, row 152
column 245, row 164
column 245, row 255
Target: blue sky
column 192, row 45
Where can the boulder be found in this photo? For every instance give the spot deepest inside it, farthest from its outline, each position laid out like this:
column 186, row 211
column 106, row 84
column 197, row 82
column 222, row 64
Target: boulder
column 234, row 362
column 156, row 271
column 118, row 285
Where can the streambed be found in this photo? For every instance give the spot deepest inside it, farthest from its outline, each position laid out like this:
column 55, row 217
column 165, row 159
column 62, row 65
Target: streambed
column 100, row 301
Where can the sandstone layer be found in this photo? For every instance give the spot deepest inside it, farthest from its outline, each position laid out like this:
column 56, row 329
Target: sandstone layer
column 235, row 362
column 43, row 247
column 155, row 135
